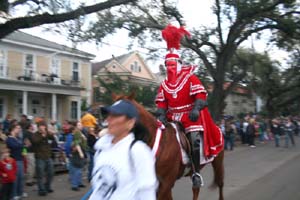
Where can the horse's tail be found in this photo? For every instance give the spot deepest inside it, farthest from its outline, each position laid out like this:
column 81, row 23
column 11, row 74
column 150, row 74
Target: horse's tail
column 218, row 167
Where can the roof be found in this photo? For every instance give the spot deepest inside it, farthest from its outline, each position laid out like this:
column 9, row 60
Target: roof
column 26, row 38
column 99, row 65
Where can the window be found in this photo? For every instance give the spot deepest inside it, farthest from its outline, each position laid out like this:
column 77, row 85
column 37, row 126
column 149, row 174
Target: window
column 2, row 64
column 29, row 68
column 34, row 111
column 35, row 102
column 20, row 111
column 20, row 101
column 75, row 71
column 55, row 66
column 19, row 107
column 74, row 109
column 1, row 108
column 135, row 67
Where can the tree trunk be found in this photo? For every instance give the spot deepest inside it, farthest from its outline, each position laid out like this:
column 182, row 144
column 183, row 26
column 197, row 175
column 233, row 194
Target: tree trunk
column 270, row 108
column 217, row 101
column 217, row 97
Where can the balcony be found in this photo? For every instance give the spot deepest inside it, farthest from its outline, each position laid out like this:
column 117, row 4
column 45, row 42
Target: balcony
column 40, row 77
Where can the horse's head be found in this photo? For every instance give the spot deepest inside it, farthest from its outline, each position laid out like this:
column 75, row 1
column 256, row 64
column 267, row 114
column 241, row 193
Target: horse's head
column 145, row 117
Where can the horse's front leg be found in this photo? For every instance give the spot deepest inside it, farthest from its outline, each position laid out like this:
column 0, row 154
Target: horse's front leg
column 164, row 192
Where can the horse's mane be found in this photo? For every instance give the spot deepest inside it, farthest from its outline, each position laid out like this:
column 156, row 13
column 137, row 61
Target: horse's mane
column 145, row 117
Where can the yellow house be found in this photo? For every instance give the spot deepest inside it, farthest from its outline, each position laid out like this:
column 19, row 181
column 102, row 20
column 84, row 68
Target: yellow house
column 42, row 78
column 131, row 67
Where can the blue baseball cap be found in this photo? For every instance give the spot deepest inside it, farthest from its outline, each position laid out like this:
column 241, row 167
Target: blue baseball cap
column 121, row 107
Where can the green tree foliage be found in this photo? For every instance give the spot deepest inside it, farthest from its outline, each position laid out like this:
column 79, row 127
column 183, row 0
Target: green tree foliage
column 289, row 103
column 278, row 87
column 114, row 84
column 215, row 45
column 265, row 80
column 84, row 105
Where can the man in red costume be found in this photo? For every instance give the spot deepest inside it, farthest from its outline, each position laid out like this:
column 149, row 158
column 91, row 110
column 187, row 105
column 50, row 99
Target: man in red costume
column 182, row 97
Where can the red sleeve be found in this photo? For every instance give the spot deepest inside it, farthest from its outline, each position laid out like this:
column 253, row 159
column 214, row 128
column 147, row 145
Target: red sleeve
column 160, row 100
column 197, row 89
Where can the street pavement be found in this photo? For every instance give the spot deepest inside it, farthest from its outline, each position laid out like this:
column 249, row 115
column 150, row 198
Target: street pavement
column 252, row 174
column 262, row 173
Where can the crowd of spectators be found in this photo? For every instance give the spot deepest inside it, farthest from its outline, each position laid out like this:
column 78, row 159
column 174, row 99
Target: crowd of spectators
column 254, row 128
column 27, row 153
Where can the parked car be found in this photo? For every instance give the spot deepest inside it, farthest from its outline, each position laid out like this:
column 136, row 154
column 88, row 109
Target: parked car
column 59, row 158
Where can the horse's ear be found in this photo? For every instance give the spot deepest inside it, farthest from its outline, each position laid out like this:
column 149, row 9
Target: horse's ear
column 114, row 96
column 132, row 95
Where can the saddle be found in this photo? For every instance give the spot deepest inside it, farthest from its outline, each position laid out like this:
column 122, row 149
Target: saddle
column 183, row 142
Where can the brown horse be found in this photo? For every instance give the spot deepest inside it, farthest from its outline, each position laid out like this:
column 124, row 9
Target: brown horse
column 169, row 166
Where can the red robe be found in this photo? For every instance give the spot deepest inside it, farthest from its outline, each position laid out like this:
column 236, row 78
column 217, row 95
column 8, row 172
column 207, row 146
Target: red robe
column 178, row 100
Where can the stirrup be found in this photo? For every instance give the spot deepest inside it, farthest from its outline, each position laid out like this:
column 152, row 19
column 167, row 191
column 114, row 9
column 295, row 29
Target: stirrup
column 197, row 180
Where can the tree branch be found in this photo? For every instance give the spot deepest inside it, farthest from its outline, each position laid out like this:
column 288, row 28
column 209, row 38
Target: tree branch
column 238, row 77
column 256, row 30
column 18, row 2
column 147, row 13
column 203, row 57
column 234, row 82
column 213, row 46
column 289, row 88
column 46, row 18
column 288, row 100
column 246, row 18
column 219, row 29
column 146, row 23
column 172, row 12
column 254, row 12
column 290, row 13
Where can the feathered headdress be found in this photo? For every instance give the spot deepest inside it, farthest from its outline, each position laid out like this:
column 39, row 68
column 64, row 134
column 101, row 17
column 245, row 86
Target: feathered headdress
column 172, row 35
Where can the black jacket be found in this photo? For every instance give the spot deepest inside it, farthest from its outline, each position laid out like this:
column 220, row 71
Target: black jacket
column 42, row 146
column 250, row 130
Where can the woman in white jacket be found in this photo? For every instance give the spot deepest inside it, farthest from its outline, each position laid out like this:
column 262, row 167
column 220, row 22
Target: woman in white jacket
column 124, row 165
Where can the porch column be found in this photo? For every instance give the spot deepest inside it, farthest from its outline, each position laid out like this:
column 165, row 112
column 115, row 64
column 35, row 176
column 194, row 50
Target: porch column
column 54, row 107
column 25, row 103
column 79, row 108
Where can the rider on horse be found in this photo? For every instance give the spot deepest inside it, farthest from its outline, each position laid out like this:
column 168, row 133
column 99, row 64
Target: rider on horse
column 182, row 97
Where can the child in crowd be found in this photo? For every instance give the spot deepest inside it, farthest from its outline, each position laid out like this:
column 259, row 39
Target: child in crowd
column 8, row 170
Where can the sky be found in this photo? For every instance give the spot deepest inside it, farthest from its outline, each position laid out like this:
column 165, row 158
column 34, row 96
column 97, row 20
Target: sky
column 196, row 13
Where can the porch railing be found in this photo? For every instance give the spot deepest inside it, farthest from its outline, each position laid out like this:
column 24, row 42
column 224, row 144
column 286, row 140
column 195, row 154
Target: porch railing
column 41, row 77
